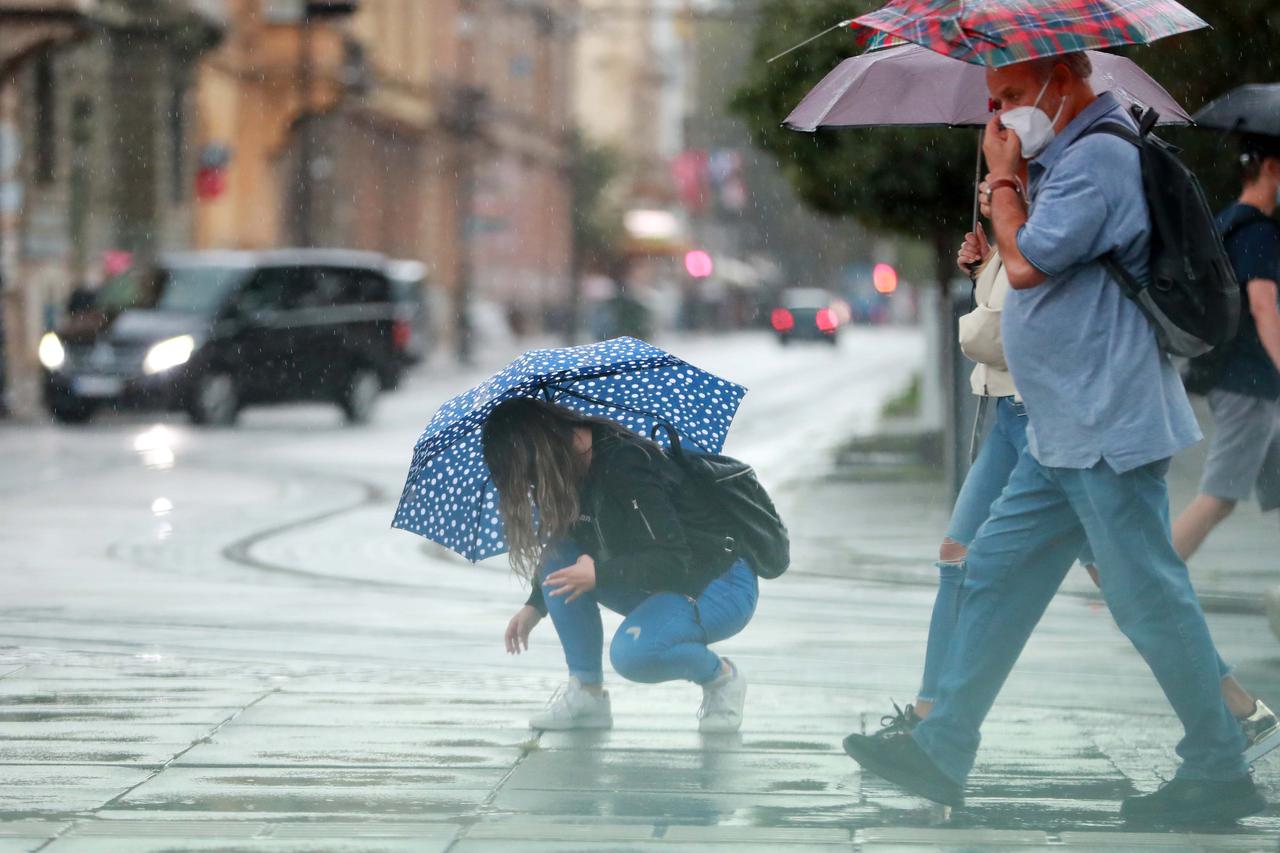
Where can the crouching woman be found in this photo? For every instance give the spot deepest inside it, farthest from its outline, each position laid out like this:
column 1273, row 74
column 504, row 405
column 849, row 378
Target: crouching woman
column 597, row 516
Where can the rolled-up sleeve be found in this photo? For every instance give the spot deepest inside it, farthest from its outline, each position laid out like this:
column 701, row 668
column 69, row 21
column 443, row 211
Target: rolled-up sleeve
column 1066, row 220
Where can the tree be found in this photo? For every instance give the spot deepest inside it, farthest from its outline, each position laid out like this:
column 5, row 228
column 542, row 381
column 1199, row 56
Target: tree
column 915, row 182
column 595, row 220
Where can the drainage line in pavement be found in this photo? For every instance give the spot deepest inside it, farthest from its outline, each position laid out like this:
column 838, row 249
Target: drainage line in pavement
column 526, row 749
column 167, row 764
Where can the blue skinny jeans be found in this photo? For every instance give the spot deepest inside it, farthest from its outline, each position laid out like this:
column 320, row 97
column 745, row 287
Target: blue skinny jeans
column 665, row 634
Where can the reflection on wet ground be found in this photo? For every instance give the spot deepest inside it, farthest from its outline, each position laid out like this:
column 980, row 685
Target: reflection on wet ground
column 334, row 686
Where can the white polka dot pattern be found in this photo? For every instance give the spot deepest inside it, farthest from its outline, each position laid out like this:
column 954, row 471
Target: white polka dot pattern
column 449, row 497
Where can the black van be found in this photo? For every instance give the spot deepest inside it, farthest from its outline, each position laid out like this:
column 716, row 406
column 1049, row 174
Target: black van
column 211, row 332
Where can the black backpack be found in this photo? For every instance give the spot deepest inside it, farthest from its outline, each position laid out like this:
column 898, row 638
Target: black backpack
column 1202, row 374
column 731, row 487
column 1193, row 299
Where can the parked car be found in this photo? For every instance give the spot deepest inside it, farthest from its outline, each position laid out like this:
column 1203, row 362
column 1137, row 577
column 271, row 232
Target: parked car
column 212, row 332
column 806, row 313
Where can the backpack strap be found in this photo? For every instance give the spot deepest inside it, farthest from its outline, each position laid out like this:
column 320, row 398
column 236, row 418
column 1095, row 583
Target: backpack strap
column 1127, row 280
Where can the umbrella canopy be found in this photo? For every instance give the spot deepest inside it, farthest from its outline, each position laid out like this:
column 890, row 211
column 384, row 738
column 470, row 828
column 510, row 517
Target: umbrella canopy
column 1005, row 32
column 449, row 496
column 1253, row 109
column 911, row 85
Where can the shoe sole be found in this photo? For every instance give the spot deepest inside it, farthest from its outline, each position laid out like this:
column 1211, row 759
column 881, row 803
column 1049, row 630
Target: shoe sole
column 1225, row 813
column 1263, row 746
column 910, row 784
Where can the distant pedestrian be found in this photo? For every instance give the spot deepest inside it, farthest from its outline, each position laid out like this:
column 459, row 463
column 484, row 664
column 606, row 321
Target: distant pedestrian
column 596, row 515
column 1106, row 413
column 1243, row 384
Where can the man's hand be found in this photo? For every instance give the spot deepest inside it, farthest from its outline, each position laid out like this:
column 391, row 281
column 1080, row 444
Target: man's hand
column 975, row 249
column 519, row 628
column 572, row 581
column 1003, row 150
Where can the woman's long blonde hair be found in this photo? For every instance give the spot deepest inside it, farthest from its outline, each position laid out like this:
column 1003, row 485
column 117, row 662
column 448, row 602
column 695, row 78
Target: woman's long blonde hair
column 538, row 471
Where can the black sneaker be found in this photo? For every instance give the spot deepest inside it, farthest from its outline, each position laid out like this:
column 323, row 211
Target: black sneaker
column 1261, row 732
column 901, row 721
column 1183, row 802
column 899, row 759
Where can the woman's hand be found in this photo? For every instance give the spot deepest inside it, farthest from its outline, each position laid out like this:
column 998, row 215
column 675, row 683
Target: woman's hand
column 974, row 250
column 572, row 581
column 519, row 627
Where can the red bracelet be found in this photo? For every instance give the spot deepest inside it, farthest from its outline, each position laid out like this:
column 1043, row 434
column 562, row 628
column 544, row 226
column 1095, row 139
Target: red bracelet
column 1010, row 183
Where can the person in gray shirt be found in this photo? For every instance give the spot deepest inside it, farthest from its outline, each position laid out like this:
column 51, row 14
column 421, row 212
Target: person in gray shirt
column 1106, row 413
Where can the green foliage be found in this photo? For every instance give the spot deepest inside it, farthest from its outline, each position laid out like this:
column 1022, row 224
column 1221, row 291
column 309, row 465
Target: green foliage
column 595, row 218
column 917, row 182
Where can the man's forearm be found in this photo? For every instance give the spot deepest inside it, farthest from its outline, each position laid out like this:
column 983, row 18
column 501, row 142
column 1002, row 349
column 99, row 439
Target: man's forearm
column 1008, row 215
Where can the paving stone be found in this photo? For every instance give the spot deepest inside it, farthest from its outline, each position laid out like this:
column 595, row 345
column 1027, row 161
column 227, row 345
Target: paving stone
column 878, row 839
column 88, row 751
column 25, row 836
column 705, row 770
column 787, row 838
column 1120, row 842
column 314, row 791
column 63, row 789
column 279, row 746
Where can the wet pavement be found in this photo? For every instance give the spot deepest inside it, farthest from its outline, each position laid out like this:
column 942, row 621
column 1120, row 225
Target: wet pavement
column 211, row 640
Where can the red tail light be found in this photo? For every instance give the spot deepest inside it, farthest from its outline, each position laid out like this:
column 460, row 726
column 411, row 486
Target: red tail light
column 400, row 334
column 782, row 320
column 827, row 320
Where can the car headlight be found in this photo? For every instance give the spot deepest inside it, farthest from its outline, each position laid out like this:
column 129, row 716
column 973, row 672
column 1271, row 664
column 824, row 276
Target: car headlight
column 169, row 354
column 51, row 353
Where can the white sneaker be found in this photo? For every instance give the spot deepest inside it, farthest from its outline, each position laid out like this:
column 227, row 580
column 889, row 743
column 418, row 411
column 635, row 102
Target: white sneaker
column 722, row 701
column 573, row 707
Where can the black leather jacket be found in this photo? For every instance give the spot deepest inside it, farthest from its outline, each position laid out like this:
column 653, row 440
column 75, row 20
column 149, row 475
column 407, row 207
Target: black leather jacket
column 642, row 525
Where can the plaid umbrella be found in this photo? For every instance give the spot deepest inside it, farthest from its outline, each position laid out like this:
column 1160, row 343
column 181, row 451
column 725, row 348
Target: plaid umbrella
column 1003, row 32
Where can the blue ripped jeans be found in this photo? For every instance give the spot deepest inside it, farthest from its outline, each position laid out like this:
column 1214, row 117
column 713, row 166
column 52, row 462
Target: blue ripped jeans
column 664, row 636
column 986, row 481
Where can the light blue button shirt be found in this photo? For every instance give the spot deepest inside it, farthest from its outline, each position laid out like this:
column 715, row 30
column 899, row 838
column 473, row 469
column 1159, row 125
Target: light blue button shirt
column 1084, row 357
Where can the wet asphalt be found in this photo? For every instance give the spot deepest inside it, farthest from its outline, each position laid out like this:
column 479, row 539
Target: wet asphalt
column 211, row 640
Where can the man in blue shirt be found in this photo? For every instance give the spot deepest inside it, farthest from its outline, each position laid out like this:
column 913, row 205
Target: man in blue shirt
column 1244, row 455
column 1106, row 413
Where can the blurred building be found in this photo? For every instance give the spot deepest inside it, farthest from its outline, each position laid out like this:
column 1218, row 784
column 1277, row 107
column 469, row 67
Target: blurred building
column 435, row 130
column 633, row 93
column 96, row 120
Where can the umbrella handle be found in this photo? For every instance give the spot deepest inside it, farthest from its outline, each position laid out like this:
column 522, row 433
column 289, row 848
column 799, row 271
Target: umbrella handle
column 977, row 182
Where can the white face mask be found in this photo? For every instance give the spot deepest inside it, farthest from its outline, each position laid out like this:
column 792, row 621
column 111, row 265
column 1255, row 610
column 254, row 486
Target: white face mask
column 1034, row 127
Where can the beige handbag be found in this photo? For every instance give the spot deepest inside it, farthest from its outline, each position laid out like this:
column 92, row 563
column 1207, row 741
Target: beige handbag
column 980, row 328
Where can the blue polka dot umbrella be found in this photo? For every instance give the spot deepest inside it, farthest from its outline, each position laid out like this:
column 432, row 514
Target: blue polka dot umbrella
column 449, row 497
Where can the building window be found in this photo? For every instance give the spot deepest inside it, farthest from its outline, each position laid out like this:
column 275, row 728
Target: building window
column 46, row 130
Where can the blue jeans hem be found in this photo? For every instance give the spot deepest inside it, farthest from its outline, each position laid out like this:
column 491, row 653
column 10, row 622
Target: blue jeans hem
column 924, row 746
column 588, row 678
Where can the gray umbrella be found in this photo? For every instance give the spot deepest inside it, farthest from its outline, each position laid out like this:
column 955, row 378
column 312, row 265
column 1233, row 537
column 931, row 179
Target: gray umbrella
column 1251, row 109
column 911, row 85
